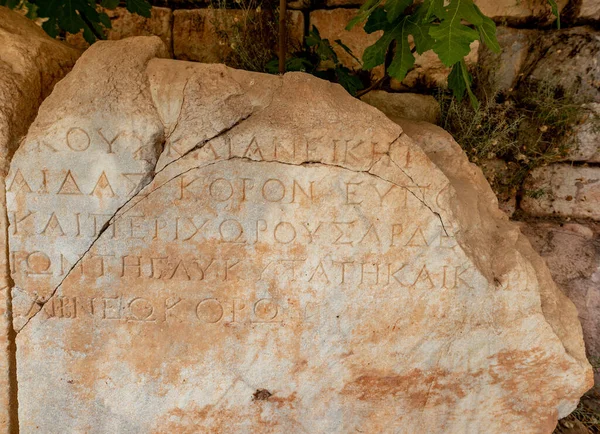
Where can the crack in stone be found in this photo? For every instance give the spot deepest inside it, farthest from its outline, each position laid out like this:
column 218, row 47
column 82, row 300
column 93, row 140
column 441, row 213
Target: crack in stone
column 196, row 147
column 114, row 217
column 305, row 163
column 174, row 127
column 117, row 214
column 11, row 334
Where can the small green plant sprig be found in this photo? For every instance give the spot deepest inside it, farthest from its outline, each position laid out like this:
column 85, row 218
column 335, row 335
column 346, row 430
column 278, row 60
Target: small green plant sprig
column 73, row 16
column 444, row 28
column 321, row 60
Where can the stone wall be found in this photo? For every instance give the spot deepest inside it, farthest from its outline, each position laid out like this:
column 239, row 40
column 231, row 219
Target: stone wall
column 197, row 31
column 559, row 204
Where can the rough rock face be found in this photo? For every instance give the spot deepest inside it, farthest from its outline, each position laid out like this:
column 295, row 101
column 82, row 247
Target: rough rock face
column 569, row 57
column 291, row 264
column 583, row 11
column 89, row 150
column 502, row 70
column 411, row 106
column 30, row 64
column 563, row 190
column 124, row 24
column 210, row 35
column 587, row 137
column 572, row 252
column 520, row 12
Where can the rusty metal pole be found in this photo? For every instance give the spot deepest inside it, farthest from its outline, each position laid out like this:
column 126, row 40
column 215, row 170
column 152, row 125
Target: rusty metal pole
column 282, row 35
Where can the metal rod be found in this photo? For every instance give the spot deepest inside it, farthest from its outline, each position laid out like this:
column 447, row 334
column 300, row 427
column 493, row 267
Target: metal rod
column 282, row 35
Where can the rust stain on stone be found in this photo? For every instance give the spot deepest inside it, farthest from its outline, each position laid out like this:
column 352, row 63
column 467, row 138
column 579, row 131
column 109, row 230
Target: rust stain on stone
column 415, row 389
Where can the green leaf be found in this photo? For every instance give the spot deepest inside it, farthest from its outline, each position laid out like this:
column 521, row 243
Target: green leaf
column 313, row 38
column 374, row 55
column 452, row 38
column 459, row 81
column 110, row 4
column 456, row 82
column 292, row 64
column 140, row 7
column 377, row 21
column 70, row 21
column 487, row 32
column 326, row 52
column 363, row 13
column 51, row 9
column 431, row 8
column 99, row 30
column 298, row 64
column 555, row 12
column 399, row 31
column 50, row 26
column 88, row 35
column 104, row 19
column 11, row 4
column 273, row 66
column 419, row 29
column 350, row 82
column 31, row 10
column 347, row 50
column 321, row 47
column 403, row 59
column 395, row 8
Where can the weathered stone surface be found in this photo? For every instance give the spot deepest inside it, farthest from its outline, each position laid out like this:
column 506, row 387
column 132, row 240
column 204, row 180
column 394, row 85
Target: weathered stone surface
column 502, row 70
column 563, row 190
column 125, row 24
column 588, row 10
column 586, row 140
column 583, row 11
column 571, row 58
column 181, row 4
column 410, row 106
column 295, row 264
column 207, row 35
column 446, row 154
column 572, row 252
column 346, row 3
column 299, row 4
column 520, row 12
column 332, row 25
column 496, row 172
column 110, row 127
column 30, row 64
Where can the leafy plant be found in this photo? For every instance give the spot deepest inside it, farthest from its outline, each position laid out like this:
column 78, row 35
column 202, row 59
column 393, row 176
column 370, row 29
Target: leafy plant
column 321, row 60
column 432, row 25
column 73, row 16
column 249, row 28
column 528, row 127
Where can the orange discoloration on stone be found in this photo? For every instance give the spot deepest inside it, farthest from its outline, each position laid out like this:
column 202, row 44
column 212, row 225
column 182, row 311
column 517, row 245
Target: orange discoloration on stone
column 280, row 249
